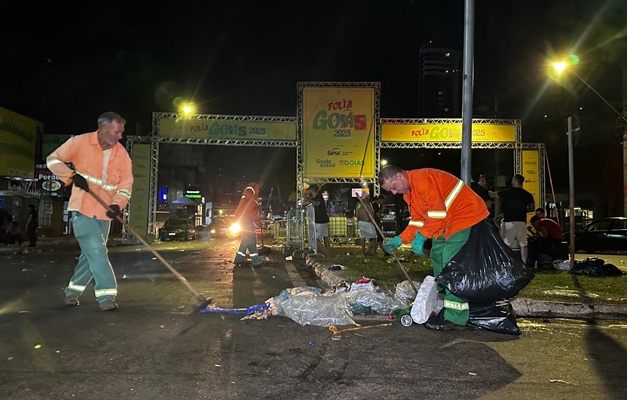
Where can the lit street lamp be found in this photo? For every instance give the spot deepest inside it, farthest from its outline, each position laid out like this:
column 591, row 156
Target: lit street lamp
column 558, row 68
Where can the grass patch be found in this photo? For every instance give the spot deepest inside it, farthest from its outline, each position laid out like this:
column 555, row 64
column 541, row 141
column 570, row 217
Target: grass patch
column 549, row 285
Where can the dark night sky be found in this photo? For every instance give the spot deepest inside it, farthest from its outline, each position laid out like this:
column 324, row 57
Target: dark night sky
column 63, row 62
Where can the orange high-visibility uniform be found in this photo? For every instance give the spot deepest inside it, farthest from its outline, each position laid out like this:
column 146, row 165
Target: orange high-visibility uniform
column 85, row 153
column 440, row 204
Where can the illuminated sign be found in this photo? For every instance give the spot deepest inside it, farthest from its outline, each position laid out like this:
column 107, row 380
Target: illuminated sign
column 429, row 133
column 338, row 132
column 227, row 129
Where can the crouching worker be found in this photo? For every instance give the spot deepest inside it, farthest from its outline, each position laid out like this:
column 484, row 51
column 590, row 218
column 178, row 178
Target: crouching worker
column 103, row 167
column 443, row 209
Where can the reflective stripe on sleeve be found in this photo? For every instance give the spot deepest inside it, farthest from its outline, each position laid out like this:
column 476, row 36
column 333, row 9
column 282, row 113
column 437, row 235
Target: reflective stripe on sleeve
column 124, row 193
column 97, row 181
column 436, row 214
column 52, row 162
column 417, row 224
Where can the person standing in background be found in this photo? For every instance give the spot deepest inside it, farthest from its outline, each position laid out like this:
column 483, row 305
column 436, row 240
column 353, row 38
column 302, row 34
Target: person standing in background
column 322, row 218
column 516, row 202
column 367, row 230
column 479, row 186
column 31, row 225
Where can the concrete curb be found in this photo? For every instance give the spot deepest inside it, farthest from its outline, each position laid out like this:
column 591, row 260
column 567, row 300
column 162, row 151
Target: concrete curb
column 522, row 307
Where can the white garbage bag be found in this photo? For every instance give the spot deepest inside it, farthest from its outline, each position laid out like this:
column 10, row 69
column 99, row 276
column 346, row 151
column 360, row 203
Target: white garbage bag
column 425, row 301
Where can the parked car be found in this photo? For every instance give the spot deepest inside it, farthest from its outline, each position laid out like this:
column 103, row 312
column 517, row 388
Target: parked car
column 602, row 234
column 177, row 229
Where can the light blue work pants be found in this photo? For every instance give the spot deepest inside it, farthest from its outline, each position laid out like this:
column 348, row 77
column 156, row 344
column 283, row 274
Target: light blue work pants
column 92, row 234
column 248, row 243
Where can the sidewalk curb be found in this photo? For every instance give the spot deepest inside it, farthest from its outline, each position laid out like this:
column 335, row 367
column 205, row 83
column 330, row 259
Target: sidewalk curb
column 522, row 307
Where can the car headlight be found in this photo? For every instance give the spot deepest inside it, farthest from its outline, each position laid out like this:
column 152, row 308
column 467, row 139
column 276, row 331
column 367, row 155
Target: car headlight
column 234, row 230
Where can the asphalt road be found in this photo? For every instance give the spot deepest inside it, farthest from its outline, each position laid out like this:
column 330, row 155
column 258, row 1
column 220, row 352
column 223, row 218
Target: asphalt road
column 153, row 348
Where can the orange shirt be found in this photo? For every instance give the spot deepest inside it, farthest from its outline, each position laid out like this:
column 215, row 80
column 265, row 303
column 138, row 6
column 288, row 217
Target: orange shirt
column 85, row 153
column 440, row 204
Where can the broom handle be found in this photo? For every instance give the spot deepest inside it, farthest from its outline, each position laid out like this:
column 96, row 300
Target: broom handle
column 159, row 257
column 378, row 228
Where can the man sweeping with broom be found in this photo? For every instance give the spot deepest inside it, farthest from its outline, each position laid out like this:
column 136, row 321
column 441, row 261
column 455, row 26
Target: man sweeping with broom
column 102, row 165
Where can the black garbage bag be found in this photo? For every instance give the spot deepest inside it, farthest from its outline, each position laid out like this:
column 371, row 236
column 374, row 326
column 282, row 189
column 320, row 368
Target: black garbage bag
column 485, row 269
column 496, row 317
column 593, row 266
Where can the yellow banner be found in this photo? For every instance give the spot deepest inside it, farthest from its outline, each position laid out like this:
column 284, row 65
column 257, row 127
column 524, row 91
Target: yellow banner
column 446, row 133
column 138, row 217
column 226, row 129
column 18, row 136
column 530, row 160
column 338, row 132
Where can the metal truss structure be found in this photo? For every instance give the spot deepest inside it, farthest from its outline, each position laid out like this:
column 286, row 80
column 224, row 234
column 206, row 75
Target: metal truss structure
column 154, row 139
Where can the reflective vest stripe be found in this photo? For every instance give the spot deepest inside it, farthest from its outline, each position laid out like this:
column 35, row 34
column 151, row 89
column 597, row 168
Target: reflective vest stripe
column 451, row 197
column 436, row 214
column 124, row 193
column 455, row 305
column 418, row 224
column 74, row 286
column 105, row 292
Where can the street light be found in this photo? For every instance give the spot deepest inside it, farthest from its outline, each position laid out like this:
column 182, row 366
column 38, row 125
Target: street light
column 558, row 68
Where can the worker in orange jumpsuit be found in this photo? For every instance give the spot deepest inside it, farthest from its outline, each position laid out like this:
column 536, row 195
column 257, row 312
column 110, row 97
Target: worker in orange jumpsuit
column 443, row 209
column 247, row 214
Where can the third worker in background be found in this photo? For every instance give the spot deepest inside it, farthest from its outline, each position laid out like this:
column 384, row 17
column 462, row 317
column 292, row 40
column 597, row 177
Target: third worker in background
column 516, row 202
column 443, row 209
column 247, row 214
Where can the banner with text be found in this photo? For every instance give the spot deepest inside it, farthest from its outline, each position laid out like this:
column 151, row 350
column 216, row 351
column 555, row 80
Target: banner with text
column 18, row 137
column 226, row 129
column 139, row 212
column 530, row 160
column 338, row 132
column 446, row 133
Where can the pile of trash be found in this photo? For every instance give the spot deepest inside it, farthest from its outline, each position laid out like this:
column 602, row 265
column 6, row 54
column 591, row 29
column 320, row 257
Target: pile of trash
column 309, row 305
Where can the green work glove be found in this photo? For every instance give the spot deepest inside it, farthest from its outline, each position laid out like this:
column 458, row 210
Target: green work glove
column 418, row 243
column 392, row 244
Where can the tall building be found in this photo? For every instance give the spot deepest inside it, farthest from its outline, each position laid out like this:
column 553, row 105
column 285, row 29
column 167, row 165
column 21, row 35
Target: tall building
column 440, row 83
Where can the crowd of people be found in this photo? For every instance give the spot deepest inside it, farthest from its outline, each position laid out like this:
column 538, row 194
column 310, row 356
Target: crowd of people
column 11, row 232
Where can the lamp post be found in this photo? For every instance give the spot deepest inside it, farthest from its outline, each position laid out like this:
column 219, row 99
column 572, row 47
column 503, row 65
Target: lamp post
column 560, row 67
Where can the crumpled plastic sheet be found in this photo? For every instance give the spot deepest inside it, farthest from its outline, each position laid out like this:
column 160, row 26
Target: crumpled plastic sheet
column 285, row 294
column 308, row 305
column 375, row 298
column 405, row 293
column 311, row 308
